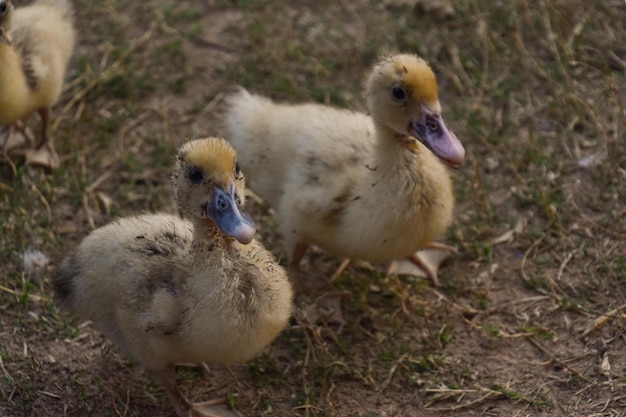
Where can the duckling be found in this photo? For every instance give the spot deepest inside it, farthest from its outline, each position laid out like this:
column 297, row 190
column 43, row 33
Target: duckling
column 167, row 290
column 362, row 187
column 36, row 43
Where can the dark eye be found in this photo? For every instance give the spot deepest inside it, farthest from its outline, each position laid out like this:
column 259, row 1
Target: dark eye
column 399, row 93
column 195, row 175
column 237, row 168
column 3, row 7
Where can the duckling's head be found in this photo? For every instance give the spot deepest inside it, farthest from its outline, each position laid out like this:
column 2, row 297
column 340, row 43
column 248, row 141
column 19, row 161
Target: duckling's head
column 209, row 187
column 6, row 8
column 402, row 94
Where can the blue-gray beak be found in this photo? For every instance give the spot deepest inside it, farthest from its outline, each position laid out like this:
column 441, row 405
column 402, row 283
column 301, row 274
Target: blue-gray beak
column 231, row 219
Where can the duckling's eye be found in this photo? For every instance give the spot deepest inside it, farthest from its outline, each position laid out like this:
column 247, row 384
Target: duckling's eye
column 399, row 93
column 3, row 7
column 195, row 175
column 237, row 168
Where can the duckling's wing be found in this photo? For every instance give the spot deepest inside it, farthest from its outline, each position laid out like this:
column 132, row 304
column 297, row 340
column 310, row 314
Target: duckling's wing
column 129, row 277
column 321, row 186
column 24, row 45
column 329, row 164
column 44, row 36
column 158, row 296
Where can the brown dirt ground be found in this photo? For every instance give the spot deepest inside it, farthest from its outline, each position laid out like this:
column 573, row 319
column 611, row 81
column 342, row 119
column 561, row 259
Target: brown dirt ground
column 529, row 319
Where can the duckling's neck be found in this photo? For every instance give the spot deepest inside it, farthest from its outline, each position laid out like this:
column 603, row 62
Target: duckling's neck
column 205, row 231
column 403, row 163
column 394, row 149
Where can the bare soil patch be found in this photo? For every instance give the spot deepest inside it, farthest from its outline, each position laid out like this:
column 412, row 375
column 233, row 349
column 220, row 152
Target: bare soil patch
column 530, row 317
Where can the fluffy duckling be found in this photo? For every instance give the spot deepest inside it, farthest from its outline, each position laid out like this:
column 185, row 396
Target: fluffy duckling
column 36, row 42
column 370, row 188
column 167, row 290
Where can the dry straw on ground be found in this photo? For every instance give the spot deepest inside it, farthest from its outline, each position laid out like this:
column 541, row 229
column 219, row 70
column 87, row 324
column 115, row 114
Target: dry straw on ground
column 530, row 317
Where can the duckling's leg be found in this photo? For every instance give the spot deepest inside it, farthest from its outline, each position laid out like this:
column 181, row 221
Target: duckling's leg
column 167, row 378
column 425, row 266
column 15, row 138
column 212, row 408
column 44, row 112
column 295, row 257
column 43, row 152
column 427, row 259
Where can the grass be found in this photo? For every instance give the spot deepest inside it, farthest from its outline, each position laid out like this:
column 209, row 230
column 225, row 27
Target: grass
column 531, row 309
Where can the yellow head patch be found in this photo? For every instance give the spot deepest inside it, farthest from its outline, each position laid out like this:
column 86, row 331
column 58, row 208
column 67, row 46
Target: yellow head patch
column 215, row 156
column 415, row 73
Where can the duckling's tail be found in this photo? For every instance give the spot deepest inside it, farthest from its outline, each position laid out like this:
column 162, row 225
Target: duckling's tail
column 64, row 289
column 244, row 118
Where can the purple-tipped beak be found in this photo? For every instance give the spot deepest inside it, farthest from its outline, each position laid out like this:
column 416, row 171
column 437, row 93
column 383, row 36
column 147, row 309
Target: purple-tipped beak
column 433, row 133
column 231, row 219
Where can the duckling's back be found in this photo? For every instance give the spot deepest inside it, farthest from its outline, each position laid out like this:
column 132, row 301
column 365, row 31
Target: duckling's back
column 282, row 146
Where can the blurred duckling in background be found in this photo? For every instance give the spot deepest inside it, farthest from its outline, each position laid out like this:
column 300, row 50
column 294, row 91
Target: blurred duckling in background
column 369, row 188
column 167, row 290
column 36, row 43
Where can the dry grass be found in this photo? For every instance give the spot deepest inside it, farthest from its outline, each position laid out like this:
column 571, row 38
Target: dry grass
column 531, row 316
